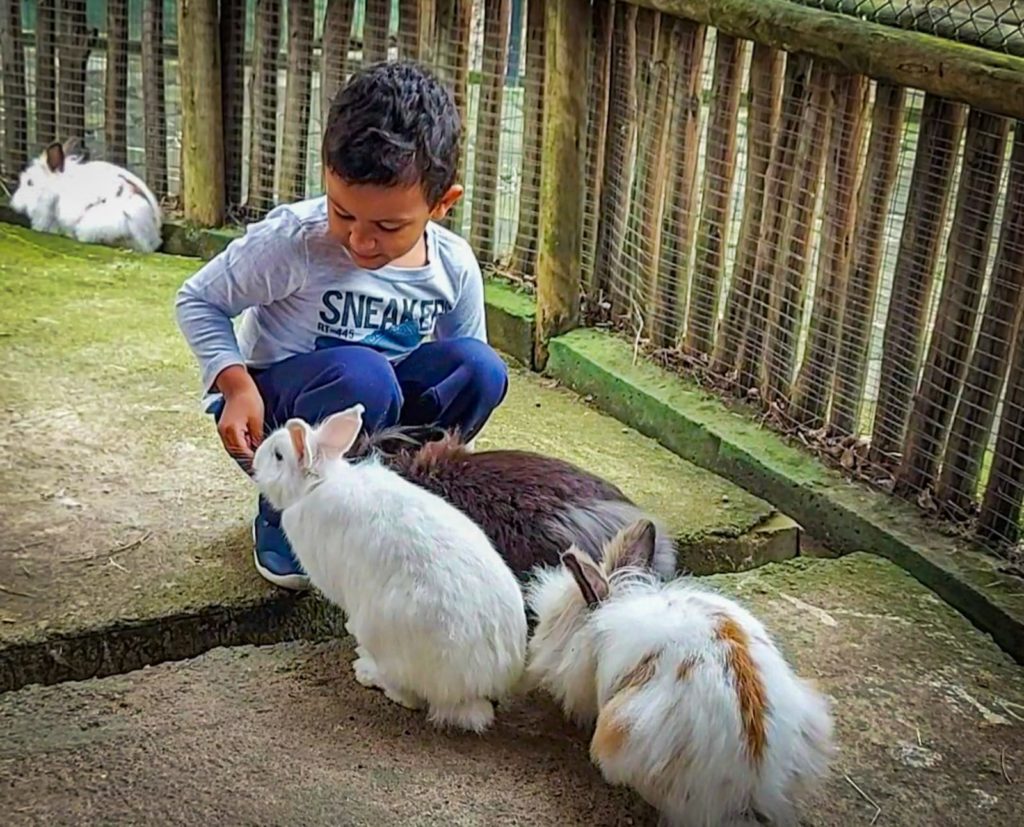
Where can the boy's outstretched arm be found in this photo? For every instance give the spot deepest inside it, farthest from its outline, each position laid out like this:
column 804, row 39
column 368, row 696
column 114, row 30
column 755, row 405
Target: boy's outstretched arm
column 265, row 265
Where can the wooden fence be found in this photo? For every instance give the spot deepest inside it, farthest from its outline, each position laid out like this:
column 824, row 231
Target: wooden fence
column 821, row 215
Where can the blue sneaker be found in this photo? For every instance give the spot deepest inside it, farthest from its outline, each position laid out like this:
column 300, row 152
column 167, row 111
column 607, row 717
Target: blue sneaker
column 273, row 557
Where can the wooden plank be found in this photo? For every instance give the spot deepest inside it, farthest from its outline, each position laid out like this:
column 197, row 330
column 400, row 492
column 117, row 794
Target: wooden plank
column 263, row 118
column 524, row 255
column 1004, row 311
column 937, row 142
column 680, row 217
column 202, row 129
column 814, row 382
column 873, row 204
column 334, row 58
column 12, row 50
column 790, row 273
column 982, row 78
column 766, row 74
column 232, row 84
column 719, row 170
column 957, row 315
column 561, row 222
column 489, row 115
column 291, row 184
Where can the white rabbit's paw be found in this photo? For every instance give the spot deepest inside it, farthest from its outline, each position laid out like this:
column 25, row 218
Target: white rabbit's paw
column 402, row 698
column 366, row 670
column 472, row 716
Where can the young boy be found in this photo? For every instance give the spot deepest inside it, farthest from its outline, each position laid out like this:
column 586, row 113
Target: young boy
column 337, row 293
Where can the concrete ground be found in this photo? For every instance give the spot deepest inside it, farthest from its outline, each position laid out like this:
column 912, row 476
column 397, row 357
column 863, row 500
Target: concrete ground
column 124, row 543
column 930, row 723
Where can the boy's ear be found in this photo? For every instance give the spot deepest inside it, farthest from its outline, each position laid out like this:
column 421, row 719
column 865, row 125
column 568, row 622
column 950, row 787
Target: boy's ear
column 448, row 200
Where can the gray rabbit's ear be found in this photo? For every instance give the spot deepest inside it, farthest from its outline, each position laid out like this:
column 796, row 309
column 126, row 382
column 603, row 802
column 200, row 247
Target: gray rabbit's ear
column 632, row 547
column 591, row 580
column 54, row 156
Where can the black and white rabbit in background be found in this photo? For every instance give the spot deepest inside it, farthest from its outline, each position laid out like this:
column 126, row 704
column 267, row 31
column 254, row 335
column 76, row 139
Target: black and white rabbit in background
column 94, row 202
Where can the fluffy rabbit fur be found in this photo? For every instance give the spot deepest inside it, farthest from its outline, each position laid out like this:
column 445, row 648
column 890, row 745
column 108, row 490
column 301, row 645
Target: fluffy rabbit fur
column 695, row 708
column 531, row 506
column 438, row 617
column 92, row 201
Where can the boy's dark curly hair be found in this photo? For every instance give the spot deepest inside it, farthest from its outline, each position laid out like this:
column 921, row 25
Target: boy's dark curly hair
column 394, row 124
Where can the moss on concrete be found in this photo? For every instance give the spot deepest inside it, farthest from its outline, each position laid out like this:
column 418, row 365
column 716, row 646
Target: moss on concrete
column 510, row 320
column 848, row 517
column 183, row 239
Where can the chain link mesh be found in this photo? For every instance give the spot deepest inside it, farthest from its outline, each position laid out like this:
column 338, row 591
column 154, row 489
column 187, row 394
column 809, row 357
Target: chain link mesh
column 993, row 24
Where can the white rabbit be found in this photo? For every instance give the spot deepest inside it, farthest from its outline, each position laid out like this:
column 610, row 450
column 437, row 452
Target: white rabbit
column 437, row 615
column 92, row 201
column 695, row 708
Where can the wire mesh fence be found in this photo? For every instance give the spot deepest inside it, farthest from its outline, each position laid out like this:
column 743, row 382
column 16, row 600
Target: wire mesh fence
column 994, row 24
column 847, row 255
column 105, row 72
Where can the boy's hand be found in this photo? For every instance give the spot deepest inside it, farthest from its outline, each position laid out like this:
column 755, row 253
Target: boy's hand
column 241, row 423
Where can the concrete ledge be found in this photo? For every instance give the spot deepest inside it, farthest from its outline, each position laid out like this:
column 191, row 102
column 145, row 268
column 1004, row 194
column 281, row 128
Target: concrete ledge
column 181, row 239
column 847, row 516
column 773, row 540
column 510, row 316
column 125, row 645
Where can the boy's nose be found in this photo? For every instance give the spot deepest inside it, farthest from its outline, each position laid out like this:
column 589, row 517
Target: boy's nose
column 360, row 244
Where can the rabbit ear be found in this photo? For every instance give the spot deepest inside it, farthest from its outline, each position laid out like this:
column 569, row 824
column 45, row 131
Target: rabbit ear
column 588, row 576
column 633, row 546
column 55, row 157
column 75, row 148
column 336, row 434
column 299, row 433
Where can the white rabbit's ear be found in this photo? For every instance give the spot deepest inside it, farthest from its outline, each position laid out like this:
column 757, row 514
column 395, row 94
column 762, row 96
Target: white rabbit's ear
column 299, row 432
column 587, row 574
column 55, row 157
column 632, row 547
column 336, row 434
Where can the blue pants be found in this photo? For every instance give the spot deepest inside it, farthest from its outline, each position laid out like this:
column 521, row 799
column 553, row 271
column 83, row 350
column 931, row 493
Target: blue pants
column 455, row 383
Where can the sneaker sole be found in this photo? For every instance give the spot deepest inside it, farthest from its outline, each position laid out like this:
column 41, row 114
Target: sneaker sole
column 292, row 582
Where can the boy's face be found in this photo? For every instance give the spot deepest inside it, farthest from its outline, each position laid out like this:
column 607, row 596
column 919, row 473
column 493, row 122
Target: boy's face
column 381, row 225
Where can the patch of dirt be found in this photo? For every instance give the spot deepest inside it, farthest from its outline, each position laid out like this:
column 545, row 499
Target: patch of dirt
column 285, row 736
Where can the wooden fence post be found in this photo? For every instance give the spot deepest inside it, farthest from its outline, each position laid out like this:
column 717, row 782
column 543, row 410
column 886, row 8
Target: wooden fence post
column 567, row 34
column 15, row 154
column 201, row 120
column 115, row 119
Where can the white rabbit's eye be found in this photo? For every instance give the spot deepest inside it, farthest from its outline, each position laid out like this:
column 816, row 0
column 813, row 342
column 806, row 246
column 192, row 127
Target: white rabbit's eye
column 277, row 456
column 30, row 183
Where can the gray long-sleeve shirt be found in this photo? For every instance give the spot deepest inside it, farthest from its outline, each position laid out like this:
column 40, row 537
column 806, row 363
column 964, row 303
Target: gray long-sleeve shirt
column 296, row 289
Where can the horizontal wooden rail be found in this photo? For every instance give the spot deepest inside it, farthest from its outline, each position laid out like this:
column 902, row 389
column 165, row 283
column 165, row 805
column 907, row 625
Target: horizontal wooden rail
column 983, row 79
